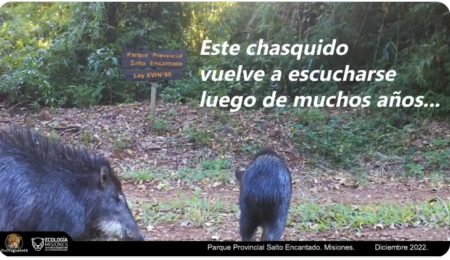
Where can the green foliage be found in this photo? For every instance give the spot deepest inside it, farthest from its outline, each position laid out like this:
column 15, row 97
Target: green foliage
column 154, row 214
column 438, row 157
column 195, row 175
column 414, row 169
column 200, row 211
column 160, row 126
column 379, row 35
column 198, row 136
column 353, row 139
column 214, row 172
column 346, row 140
column 312, row 117
column 68, row 54
column 250, row 148
column 216, row 165
column 140, row 175
column 193, row 210
column 433, row 159
column 312, row 216
column 24, row 46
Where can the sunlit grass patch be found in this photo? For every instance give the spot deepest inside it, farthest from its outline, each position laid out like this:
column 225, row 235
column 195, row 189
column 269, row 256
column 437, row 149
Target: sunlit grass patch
column 312, row 216
column 190, row 211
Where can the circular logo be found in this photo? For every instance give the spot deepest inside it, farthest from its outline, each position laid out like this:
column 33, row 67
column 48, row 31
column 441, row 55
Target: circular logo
column 13, row 242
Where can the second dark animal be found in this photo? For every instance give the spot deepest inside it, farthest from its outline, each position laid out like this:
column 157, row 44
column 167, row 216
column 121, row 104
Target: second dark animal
column 265, row 195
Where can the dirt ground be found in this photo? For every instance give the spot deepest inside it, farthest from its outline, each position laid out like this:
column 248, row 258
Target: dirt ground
column 229, row 229
column 99, row 129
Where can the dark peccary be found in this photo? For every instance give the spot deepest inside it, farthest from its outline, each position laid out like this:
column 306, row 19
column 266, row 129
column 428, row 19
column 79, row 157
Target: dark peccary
column 48, row 186
column 265, row 194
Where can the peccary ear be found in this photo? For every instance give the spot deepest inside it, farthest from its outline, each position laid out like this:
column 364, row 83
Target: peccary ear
column 104, row 172
column 239, row 173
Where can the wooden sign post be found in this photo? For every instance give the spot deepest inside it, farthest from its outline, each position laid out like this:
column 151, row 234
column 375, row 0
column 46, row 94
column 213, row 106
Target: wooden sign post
column 153, row 98
column 153, row 66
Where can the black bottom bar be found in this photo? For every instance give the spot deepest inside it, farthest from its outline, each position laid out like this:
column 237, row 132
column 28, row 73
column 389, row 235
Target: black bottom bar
column 59, row 244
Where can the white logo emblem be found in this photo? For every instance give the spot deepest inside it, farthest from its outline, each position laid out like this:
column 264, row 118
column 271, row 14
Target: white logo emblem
column 38, row 243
